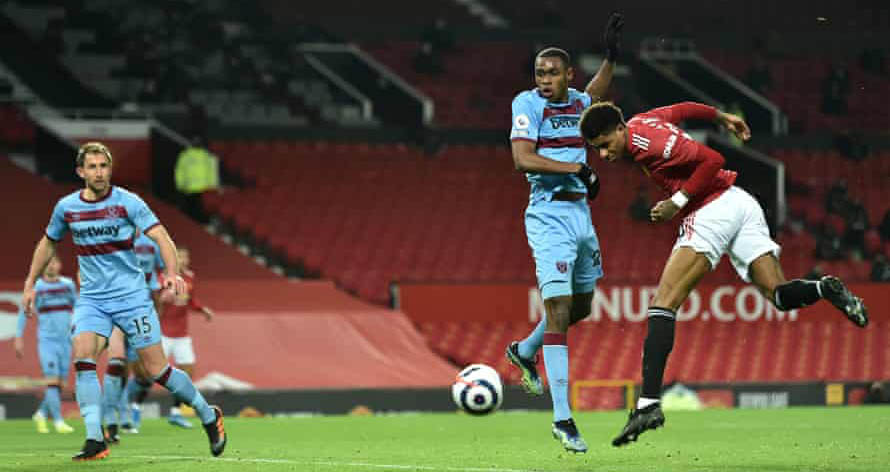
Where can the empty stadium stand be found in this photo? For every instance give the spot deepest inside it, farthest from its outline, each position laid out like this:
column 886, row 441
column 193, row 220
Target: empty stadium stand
column 17, row 129
column 366, row 215
column 703, row 353
column 797, row 90
column 464, row 93
column 465, row 100
column 34, row 200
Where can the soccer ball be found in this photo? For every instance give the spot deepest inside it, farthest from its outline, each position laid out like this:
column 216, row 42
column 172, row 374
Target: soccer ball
column 477, row 389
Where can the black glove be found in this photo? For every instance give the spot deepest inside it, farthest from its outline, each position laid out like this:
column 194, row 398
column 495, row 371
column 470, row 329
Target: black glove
column 612, row 36
column 590, row 180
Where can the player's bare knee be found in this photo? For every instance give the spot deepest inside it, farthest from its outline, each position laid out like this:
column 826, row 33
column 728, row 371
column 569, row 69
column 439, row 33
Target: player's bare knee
column 766, row 274
column 154, row 369
column 86, row 346
column 559, row 311
column 767, row 290
column 153, row 360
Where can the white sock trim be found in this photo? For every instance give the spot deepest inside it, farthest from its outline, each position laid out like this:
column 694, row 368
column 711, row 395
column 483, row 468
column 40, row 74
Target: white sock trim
column 643, row 402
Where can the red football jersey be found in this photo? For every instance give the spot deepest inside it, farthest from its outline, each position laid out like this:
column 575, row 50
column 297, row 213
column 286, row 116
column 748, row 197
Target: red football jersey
column 175, row 319
column 672, row 159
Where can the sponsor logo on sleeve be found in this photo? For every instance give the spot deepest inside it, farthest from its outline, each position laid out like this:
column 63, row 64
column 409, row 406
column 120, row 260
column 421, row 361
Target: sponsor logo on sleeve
column 669, row 146
column 521, row 121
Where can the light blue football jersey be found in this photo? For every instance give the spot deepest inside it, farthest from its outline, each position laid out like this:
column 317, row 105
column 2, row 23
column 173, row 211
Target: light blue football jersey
column 103, row 233
column 553, row 127
column 54, row 304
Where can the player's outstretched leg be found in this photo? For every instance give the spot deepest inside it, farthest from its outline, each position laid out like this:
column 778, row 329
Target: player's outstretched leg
column 530, row 381
column 834, row 290
column 181, row 386
column 766, row 274
column 524, row 355
column 89, row 397
column 216, row 432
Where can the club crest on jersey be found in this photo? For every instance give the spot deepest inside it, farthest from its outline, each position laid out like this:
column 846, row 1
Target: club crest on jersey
column 562, row 267
column 116, row 212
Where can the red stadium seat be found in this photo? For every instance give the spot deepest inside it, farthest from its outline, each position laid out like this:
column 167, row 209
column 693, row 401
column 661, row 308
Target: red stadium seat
column 836, row 223
column 405, row 226
column 815, row 215
column 872, row 241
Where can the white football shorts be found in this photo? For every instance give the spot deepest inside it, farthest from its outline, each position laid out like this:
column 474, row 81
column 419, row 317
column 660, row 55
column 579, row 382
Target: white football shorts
column 733, row 224
column 179, row 350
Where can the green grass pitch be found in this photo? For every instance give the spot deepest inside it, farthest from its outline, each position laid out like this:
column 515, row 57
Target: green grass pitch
column 794, row 439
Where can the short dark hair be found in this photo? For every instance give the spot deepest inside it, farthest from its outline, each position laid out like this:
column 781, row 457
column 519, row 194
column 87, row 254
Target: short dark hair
column 600, row 118
column 93, row 147
column 556, row 52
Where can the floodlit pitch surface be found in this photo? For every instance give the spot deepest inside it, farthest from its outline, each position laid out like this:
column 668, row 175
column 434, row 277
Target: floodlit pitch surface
column 795, row 439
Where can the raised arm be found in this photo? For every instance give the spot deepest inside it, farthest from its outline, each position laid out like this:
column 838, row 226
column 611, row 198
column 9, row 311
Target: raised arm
column 599, row 84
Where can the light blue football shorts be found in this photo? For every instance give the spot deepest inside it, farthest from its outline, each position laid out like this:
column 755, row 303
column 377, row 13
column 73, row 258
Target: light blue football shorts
column 565, row 247
column 134, row 314
column 55, row 356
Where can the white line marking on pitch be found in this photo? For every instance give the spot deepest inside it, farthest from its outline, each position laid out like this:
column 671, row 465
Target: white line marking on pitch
column 367, row 465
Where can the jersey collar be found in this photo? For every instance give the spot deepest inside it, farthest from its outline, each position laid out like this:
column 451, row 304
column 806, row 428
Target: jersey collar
column 107, row 195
